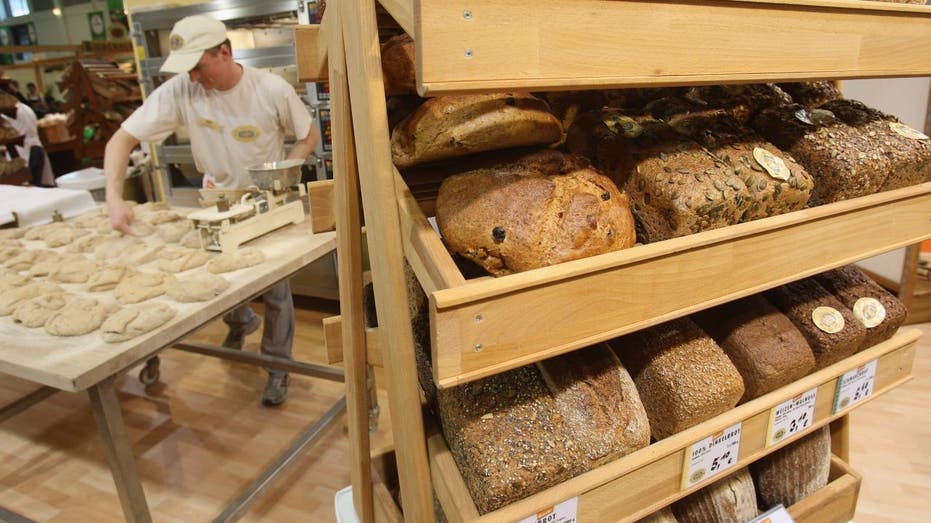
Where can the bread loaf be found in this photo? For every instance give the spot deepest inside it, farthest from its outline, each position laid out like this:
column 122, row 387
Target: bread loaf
column 776, row 184
column 453, row 126
column 831, row 329
column 907, row 152
column 811, row 94
column 539, row 211
column 850, row 285
column 663, row 515
column 761, row 342
column 682, row 375
column 728, row 500
column 742, row 101
column 794, row 472
column 397, row 65
column 843, row 162
column 507, row 437
column 597, row 398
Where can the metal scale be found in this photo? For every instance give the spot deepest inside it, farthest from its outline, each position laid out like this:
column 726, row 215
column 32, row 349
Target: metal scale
column 275, row 199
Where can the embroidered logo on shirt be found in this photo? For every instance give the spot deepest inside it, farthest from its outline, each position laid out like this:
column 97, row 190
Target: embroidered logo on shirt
column 246, row 133
column 208, row 123
column 175, row 42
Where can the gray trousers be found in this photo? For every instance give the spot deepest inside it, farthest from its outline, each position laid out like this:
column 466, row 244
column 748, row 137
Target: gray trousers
column 278, row 334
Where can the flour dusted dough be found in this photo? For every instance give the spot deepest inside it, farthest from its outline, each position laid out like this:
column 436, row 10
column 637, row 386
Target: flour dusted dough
column 9, row 252
column 114, row 247
column 139, row 254
column 141, row 228
column 12, row 298
column 87, row 244
column 172, row 232
column 27, row 258
column 200, row 287
column 78, row 317
column 134, row 321
column 89, row 220
column 160, row 217
column 41, row 231
column 63, row 236
column 108, row 277
column 10, row 279
column 12, row 234
column 141, row 287
column 74, row 268
column 226, row 262
column 191, row 239
column 181, row 259
column 45, row 266
column 34, row 312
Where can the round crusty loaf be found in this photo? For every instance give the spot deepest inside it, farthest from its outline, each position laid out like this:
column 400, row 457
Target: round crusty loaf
column 794, row 472
column 728, row 500
column 520, row 217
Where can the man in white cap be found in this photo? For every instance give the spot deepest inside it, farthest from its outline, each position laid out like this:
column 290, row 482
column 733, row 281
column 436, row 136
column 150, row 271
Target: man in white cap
column 236, row 117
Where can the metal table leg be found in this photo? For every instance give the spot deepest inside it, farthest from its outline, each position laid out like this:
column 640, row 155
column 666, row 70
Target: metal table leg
column 119, row 452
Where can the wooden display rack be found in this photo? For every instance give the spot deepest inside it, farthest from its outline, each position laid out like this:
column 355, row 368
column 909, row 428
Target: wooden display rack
column 488, row 45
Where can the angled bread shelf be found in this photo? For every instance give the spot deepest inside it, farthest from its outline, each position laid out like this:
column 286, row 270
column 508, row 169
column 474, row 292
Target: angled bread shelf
column 649, row 479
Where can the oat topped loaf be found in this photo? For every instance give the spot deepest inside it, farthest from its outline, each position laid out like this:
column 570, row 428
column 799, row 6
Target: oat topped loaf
column 538, row 210
column 453, row 126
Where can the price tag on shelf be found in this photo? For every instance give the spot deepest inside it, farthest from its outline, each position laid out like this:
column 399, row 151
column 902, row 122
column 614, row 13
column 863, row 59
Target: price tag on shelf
column 565, row 512
column 778, row 514
column 791, row 417
column 711, row 456
column 854, row 386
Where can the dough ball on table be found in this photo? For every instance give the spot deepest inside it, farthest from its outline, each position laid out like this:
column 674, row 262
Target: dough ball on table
column 108, row 277
column 140, row 287
column 41, row 231
column 139, row 254
column 87, row 244
column 172, row 232
column 63, row 236
column 9, row 252
column 11, row 280
column 104, row 226
column 148, row 208
column 45, row 266
column 12, row 234
column 27, row 258
column 142, row 228
column 80, row 316
column 12, row 298
column 88, row 220
column 181, row 259
column 114, row 246
column 191, row 239
column 11, row 244
column 74, row 269
column 200, row 287
column 160, row 217
column 227, row 262
column 130, row 322
column 34, row 312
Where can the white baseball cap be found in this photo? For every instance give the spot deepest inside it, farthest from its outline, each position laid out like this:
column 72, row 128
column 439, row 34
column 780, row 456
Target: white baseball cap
column 190, row 37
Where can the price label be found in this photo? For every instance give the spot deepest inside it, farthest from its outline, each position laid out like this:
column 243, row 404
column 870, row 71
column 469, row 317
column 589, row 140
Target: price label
column 711, row 456
column 791, row 417
column 855, row 386
column 565, row 512
column 778, row 514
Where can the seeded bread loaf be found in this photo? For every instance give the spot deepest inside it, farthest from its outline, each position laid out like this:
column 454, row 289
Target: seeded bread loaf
column 538, row 211
column 397, row 65
column 776, row 183
column 811, row 94
column 843, row 162
column 728, row 500
column 908, row 152
column 761, row 342
column 850, row 285
column 682, row 375
column 507, row 437
column 794, row 472
column 453, row 126
column 598, row 399
column 742, row 101
column 804, row 302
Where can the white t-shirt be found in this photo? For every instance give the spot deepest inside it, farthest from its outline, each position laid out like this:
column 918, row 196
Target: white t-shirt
column 25, row 124
column 229, row 130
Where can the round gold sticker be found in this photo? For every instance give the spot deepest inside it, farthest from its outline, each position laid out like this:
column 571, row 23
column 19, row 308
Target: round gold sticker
column 903, row 130
column 869, row 311
column 772, row 163
column 697, row 476
column 828, row 319
column 246, row 133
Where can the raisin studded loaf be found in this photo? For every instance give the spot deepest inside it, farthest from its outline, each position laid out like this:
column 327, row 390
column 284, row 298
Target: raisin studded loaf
column 794, row 472
column 682, row 375
column 728, row 500
column 541, row 209
column 842, row 160
column 878, row 310
column 761, row 342
column 811, row 94
column 908, row 152
column 831, row 329
column 453, row 126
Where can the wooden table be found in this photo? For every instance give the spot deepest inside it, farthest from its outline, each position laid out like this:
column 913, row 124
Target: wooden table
column 86, row 362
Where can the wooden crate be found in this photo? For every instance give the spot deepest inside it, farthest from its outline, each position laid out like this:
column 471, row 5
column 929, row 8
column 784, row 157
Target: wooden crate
column 642, row 482
column 833, row 503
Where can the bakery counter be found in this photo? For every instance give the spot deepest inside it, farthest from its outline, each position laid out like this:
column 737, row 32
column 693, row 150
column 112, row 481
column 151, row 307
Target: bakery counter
column 646, row 480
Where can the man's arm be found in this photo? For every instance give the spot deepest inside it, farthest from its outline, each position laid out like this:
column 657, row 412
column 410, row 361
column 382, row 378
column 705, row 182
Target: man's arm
column 115, row 162
column 303, row 148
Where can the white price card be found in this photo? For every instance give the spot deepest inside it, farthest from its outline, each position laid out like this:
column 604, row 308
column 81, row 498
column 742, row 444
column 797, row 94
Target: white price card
column 791, row 417
column 711, row 456
column 778, row 514
column 565, row 512
column 854, row 386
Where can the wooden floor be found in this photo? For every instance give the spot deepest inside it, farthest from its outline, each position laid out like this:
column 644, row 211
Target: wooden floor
column 201, row 435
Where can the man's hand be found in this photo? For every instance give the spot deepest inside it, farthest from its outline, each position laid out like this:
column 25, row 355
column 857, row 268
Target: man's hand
column 121, row 215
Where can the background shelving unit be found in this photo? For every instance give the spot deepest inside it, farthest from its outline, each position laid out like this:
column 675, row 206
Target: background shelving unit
column 486, row 46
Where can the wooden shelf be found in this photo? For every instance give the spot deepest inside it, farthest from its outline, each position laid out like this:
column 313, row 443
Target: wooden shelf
column 649, row 479
column 625, row 43
column 489, row 325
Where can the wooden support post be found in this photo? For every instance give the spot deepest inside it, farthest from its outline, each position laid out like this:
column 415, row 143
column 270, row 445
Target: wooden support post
column 349, row 246
column 840, row 438
column 370, row 123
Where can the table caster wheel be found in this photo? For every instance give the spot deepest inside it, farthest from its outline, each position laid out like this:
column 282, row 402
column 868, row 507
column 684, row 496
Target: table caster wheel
column 150, row 372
